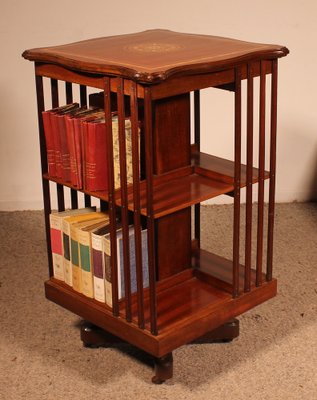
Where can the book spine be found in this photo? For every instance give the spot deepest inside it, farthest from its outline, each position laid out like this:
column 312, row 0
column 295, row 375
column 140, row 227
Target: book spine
column 96, row 176
column 57, row 246
column 72, row 153
column 78, row 150
column 107, row 260
column 84, row 241
column 57, row 144
column 49, row 140
column 76, row 272
column 116, row 152
column 98, row 268
column 68, row 275
column 64, row 148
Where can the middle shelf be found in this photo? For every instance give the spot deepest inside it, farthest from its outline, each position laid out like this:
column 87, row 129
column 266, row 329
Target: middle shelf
column 208, row 176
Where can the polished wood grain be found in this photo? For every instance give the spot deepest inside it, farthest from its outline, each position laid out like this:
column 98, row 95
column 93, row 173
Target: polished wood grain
column 186, row 310
column 148, row 76
column 208, row 177
column 154, row 55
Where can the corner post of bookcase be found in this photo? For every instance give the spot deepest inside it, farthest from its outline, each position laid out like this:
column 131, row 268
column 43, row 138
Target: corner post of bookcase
column 237, row 182
column 272, row 170
column 148, row 125
column 44, row 165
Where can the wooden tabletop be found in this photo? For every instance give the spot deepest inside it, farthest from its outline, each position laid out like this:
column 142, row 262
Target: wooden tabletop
column 154, row 55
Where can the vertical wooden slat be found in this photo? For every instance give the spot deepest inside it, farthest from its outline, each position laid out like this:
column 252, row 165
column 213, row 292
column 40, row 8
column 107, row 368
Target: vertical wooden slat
column 124, row 199
column 59, row 187
column 83, row 95
column 87, row 200
column 112, row 206
column 248, row 218
column 103, row 206
column 83, row 102
column 272, row 172
column 69, row 92
column 73, row 199
column 44, row 168
column 237, row 175
column 136, row 202
column 259, row 254
column 69, row 100
column 150, row 217
column 54, row 93
column 197, row 143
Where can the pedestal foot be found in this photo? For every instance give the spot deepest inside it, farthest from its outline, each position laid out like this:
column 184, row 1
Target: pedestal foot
column 225, row 333
column 92, row 336
column 163, row 368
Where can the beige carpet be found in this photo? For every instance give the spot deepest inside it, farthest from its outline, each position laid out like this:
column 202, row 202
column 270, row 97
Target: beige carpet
column 275, row 357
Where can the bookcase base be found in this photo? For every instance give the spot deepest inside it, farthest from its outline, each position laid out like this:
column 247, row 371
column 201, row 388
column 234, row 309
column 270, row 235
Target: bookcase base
column 93, row 337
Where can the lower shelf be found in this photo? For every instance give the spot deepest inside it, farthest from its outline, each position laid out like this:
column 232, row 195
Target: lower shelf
column 189, row 305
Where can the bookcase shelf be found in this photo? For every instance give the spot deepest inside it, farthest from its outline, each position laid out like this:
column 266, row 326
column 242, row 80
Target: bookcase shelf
column 153, row 79
column 208, row 177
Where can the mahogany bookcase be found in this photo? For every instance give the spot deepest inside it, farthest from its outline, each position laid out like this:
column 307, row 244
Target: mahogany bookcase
column 155, row 78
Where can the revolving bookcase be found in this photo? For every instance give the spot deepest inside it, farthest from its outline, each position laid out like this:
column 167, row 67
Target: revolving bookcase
column 154, row 78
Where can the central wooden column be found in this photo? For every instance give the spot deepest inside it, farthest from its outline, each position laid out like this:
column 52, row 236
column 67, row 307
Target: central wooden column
column 171, row 141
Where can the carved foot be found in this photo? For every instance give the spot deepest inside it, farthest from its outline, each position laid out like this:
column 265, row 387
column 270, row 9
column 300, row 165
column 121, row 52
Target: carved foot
column 163, row 368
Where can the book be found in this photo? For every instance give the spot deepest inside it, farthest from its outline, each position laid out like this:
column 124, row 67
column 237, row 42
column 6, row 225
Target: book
column 98, row 263
column 95, row 154
column 56, row 114
column 57, row 243
column 73, row 123
column 84, row 236
column 116, row 151
column 120, row 263
column 49, row 142
column 67, row 222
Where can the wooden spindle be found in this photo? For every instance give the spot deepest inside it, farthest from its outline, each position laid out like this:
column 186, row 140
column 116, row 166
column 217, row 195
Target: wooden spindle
column 150, row 214
column 83, row 95
column 44, row 168
column 124, row 199
column 112, row 205
column 259, row 254
column 197, row 143
column 248, row 218
column 87, row 200
column 237, row 177
column 83, row 102
column 136, row 202
column 74, row 198
column 103, row 206
column 59, row 187
column 54, row 93
column 69, row 92
column 272, row 172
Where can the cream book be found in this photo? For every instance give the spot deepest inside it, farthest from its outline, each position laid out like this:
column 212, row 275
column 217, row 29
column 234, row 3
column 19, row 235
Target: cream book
column 57, row 243
column 67, row 253
column 85, row 255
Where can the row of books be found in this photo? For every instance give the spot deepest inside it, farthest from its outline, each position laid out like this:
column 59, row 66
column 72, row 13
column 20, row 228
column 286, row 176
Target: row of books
column 76, row 146
column 80, row 243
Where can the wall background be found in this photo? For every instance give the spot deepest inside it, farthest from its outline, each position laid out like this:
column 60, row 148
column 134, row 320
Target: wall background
column 38, row 23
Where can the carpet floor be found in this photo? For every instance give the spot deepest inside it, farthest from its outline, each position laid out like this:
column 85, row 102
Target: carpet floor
column 275, row 356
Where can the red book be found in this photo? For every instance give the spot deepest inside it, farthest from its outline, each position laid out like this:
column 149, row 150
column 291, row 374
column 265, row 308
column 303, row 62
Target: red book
column 49, row 141
column 64, row 147
column 69, row 123
column 95, row 150
column 54, row 114
column 57, row 143
column 74, row 123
